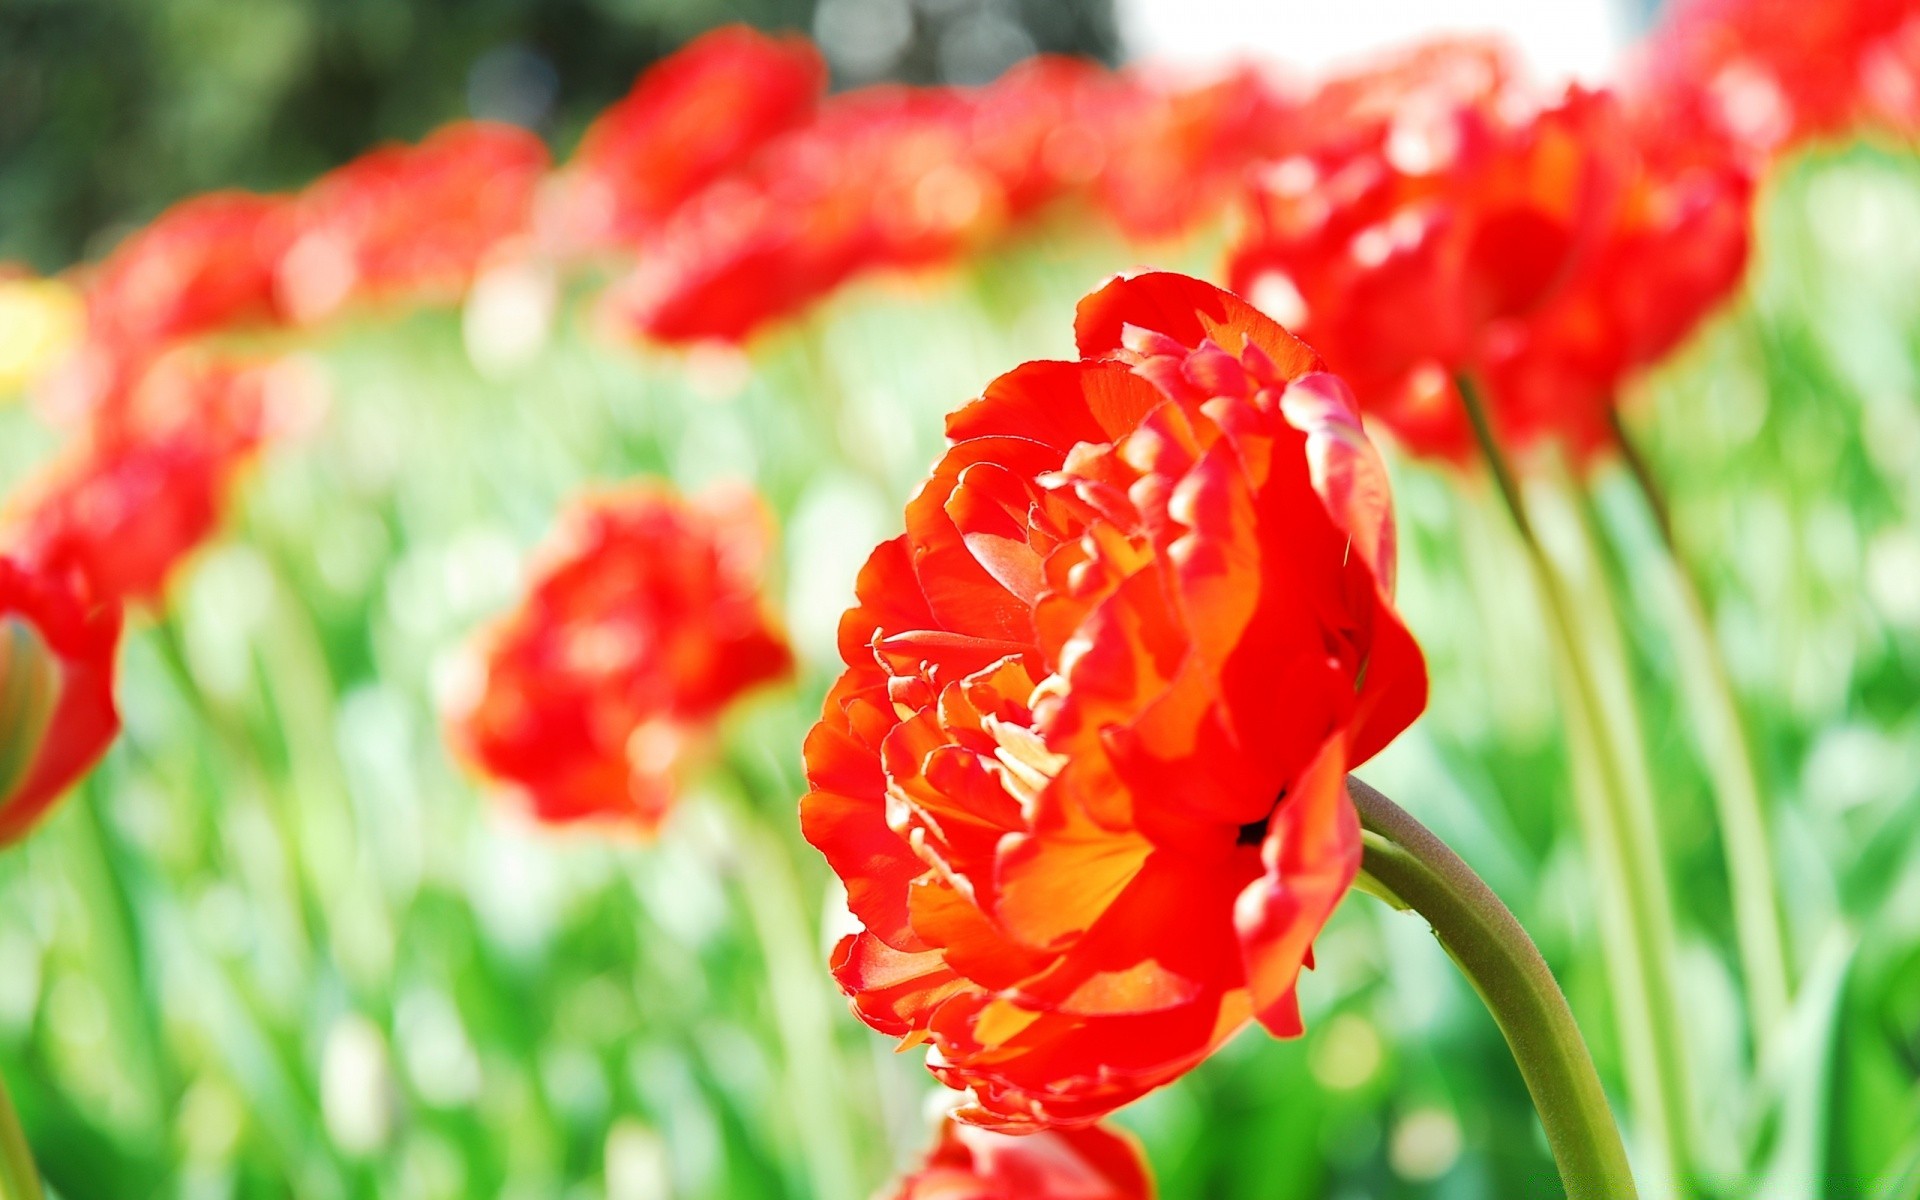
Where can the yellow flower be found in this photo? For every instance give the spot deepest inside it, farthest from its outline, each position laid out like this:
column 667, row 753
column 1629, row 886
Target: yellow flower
column 40, row 321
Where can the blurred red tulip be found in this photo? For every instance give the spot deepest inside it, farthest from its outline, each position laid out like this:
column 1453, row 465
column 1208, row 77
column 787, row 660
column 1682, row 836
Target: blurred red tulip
column 1043, row 128
column 149, row 483
column 57, row 713
column 1179, row 152
column 689, row 119
column 1439, row 221
column 1083, row 777
column 203, row 265
column 643, row 622
column 885, row 178
column 1095, row 1163
column 896, row 177
column 1671, row 247
column 1770, row 74
column 406, row 222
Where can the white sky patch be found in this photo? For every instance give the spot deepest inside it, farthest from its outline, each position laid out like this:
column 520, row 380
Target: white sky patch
column 1578, row 39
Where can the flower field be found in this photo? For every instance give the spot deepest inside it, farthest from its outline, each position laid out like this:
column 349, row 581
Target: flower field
column 810, row 644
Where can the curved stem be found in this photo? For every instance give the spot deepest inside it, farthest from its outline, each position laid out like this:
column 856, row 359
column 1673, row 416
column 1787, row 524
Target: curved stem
column 19, row 1178
column 1621, row 842
column 1728, row 751
column 1417, row 869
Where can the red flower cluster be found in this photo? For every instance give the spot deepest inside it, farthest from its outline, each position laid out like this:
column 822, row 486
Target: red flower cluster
column 398, row 223
column 1095, row 1163
column 897, row 177
column 1770, row 74
column 57, row 715
column 881, row 178
column 167, row 429
column 689, row 120
column 1083, row 777
column 1435, row 220
column 149, row 482
column 645, row 620
column 747, row 194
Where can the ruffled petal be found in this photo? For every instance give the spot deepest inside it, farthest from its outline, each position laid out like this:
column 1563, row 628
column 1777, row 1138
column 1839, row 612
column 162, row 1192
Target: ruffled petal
column 1311, row 855
column 1187, row 311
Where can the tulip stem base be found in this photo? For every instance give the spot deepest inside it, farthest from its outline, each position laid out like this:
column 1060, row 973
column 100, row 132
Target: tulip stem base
column 19, row 1178
column 1416, row 870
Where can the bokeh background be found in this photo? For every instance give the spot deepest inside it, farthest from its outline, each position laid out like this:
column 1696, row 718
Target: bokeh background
column 282, row 943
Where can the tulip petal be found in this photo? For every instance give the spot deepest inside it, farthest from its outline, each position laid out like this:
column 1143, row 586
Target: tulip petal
column 1311, row 856
column 1061, row 404
column 64, row 629
column 1188, row 311
column 895, row 992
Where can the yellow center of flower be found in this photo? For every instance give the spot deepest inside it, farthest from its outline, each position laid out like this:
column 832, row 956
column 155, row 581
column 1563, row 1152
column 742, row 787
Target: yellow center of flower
column 29, row 687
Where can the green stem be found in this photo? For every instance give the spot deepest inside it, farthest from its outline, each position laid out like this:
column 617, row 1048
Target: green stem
column 19, row 1178
column 816, row 1084
column 242, row 752
column 129, row 970
column 1622, row 845
column 1418, row 871
column 1728, row 752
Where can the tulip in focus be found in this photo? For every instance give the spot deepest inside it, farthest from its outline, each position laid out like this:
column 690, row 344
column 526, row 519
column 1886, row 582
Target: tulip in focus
column 57, row 712
column 968, row 1163
column 1084, row 774
column 644, row 621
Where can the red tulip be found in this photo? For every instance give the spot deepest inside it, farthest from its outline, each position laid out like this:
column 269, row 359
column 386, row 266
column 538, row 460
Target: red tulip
column 203, row 265
column 1671, row 248
column 1770, row 74
column 1179, row 152
column 57, row 714
column 690, row 119
column 1159, row 155
column 644, row 621
column 1043, row 129
column 149, row 484
column 402, row 222
column 1083, row 775
column 885, row 178
column 1438, row 221
column 1095, row 1163
column 905, row 178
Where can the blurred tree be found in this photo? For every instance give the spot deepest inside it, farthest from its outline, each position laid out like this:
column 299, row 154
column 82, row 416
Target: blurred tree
column 112, row 109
